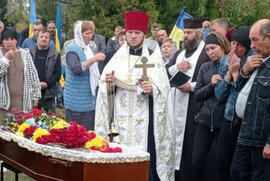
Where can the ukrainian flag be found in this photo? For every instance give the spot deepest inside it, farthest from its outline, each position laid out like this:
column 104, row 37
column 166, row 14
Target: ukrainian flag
column 58, row 39
column 58, row 28
column 177, row 33
column 33, row 17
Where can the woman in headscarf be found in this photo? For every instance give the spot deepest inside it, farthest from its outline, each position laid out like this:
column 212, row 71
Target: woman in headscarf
column 82, row 77
column 168, row 50
column 19, row 82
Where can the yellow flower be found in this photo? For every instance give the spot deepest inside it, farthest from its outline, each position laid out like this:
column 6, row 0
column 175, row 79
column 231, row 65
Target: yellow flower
column 88, row 144
column 18, row 133
column 97, row 142
column 60, row 123
column 57, row 126
column 23, row 127
column 63, row 122
column 40, row 132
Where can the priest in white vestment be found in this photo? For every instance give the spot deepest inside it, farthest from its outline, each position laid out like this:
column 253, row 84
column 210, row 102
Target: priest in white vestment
column 140, row 107
column 182, row 98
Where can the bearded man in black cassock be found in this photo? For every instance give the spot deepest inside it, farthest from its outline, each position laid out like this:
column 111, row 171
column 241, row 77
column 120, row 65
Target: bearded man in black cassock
column 187, row 60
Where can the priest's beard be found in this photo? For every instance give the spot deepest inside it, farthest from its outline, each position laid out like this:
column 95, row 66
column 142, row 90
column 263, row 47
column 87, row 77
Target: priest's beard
column 192, row 45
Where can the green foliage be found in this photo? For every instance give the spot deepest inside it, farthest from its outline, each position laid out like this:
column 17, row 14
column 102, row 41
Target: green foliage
column 168, row 13
column 16, row 12
column 45, row 6
column 245, row 12
column 3, row 11
column 107, row 14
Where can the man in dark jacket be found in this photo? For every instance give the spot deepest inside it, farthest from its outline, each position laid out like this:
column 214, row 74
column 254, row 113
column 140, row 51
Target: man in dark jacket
column 99, row 40
column 252, row 154
column 48, row 64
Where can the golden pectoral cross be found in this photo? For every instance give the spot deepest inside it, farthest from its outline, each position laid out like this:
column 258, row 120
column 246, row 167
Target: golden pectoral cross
column 144, row 66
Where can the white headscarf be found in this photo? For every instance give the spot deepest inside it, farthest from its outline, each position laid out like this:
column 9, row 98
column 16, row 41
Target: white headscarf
column 94, row 72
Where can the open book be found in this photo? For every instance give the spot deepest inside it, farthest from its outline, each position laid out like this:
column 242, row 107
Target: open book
column 178, row 79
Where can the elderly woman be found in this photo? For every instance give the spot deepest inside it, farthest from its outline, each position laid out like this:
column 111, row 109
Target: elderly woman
column 82, row 77
column 19, row 82
column 212, row 110
column 169, row 48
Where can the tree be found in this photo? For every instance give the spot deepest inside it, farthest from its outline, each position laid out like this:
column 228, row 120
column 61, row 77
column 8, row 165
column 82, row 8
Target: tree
column 107, row 14
column 3, row 11
column 17, row 13
column 244, row 12
column 47, row 9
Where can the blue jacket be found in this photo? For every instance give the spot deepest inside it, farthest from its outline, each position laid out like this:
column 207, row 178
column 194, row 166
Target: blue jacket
column 226, row 91
column 255, row 129
column 32, row 42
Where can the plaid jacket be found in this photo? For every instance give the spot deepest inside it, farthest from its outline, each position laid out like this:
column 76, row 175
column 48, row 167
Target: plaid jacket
column 31, row 81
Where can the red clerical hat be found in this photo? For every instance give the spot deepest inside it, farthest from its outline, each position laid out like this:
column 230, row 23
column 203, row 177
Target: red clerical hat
column 137, row 20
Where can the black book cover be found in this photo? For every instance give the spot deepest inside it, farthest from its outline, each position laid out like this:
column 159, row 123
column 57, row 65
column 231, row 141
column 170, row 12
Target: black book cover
column 178, row 79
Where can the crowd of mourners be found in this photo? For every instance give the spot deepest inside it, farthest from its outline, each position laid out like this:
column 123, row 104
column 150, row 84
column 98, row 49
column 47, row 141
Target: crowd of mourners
column 215, row 126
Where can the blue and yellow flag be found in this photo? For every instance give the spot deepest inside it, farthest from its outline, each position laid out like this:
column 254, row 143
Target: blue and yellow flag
column 58, row 28
column 33, row 17
column 177, row 33
column 58, row 38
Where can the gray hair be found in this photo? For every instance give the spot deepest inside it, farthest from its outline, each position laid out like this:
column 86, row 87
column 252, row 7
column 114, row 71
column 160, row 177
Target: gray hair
column 265, row 29
column 199, row 32
column 39, row 17
column 155, row 25
column 221, row 22
column 119, row 27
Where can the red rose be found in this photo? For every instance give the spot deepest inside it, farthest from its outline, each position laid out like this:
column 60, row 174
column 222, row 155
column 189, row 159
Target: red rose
column 43, row 139
column 91, row 135
column 28, row 132
column 19, row 116
column 28, row 116
column 55, row 132
column 93, row 148
column 37, row 112
column 19, row 122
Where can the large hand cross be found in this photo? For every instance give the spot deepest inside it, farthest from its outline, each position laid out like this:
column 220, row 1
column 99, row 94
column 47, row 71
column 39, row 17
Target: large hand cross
column 144, row 66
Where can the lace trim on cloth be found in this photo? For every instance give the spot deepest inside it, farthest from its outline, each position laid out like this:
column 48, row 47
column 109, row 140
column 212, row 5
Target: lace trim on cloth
column 128, row 155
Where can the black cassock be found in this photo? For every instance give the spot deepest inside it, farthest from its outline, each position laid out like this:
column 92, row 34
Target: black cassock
column 153, row 176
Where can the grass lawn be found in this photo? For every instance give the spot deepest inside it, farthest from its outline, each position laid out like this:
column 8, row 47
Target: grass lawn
column 10, row 176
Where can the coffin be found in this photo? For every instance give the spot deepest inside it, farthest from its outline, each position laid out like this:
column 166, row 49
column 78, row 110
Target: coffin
column 44, row 162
